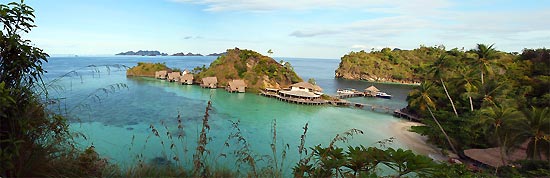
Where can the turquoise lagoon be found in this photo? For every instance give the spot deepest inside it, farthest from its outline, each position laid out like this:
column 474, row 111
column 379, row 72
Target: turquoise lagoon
column 115, row 113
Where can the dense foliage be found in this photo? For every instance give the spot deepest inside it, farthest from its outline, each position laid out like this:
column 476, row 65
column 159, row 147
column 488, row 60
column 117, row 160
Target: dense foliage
column 29, row 134
column 145, row 69
column 257, row 70
column 386, row 65
column 485, row 98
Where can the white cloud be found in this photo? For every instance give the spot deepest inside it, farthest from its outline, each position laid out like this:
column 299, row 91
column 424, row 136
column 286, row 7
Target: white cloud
column 395, row 6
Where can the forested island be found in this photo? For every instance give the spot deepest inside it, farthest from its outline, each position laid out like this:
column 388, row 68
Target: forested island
column 386, row 65
column 217, row 54
column 142, row 53
column 188, row 54
column 257, row 70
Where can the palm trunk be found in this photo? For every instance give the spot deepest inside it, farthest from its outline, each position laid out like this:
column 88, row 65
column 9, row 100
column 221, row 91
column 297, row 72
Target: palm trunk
column 444, row 133
column 449, row 96
column 471, row 103
column 501, row 148
column 482, row 77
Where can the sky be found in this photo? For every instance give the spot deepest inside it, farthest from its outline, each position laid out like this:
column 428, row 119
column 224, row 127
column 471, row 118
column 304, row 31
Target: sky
column 291, row 28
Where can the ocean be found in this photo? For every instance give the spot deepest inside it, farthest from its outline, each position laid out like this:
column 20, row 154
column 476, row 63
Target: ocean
column 121, row 116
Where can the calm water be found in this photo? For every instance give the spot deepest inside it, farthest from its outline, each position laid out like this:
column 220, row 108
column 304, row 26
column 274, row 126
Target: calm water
column 116, row 119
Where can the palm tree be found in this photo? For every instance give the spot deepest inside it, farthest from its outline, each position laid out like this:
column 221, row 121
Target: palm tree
column 466, row 79
column 484, row 56
column 496, row 117
column 421, row 98
column 439, row 69
column 534, row 129
column 270, row 52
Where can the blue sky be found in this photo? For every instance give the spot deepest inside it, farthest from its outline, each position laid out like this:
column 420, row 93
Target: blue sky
column 291, row 28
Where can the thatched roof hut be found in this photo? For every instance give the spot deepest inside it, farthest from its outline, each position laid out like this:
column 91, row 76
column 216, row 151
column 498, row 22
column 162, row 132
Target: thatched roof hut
column 236, row 86
column 185, row 72
column 209, row 82
column 493, row 156
column 371, row 90
column 161, row 74
column 174, row 76
column 306, row 85
column 187, row 79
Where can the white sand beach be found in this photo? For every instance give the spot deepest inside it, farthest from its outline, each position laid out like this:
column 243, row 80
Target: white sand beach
column 414, row 141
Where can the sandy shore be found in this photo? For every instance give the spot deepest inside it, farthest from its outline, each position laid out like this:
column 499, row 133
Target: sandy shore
column 414, row 141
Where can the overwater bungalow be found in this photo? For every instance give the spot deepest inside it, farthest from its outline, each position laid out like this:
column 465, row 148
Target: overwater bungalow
column 371, row 91
column 174, row 76
column 299, row 93
column 209, row 82
column 187, row 79
column 302, row 92
column 236, row 86
column 161, row 74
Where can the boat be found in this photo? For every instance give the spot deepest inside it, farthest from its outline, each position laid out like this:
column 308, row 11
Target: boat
column 346, row 91
column 383, row 95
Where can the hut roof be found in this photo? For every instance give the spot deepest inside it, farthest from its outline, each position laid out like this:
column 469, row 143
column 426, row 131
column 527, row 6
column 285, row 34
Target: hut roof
column 209, row 80
column 307, row 85
column 372, row 89
column 234, row 84
column 187, row 77
column 174, row 73
column 492, row 156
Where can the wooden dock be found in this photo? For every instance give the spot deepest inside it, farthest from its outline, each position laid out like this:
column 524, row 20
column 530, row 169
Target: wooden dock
column 372, row 107
column 401, row 114
column 350, row 95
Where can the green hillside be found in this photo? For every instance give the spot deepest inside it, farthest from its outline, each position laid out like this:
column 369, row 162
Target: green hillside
column 257, row 70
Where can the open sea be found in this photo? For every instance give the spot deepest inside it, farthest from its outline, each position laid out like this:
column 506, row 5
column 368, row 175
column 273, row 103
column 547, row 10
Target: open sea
column 117, row 114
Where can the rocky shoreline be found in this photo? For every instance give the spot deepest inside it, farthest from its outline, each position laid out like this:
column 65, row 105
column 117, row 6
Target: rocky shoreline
column 376, row 79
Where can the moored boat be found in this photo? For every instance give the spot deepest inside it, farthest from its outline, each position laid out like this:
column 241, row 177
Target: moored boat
column 383, row 95
column 346, row 91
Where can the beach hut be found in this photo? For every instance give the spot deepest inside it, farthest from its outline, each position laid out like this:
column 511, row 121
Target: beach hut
column 161, row 74
column 236, row 86
column 371, row 91
column 187, row 79
column 494, row 157
column 174, row 76
column 209, row 82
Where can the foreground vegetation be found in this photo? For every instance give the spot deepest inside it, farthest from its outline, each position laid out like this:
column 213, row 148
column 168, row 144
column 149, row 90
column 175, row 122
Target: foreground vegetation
column 485, row 98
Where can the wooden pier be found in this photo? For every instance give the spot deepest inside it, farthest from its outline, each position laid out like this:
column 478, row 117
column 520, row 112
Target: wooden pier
column 401, row 114
column 350, row 95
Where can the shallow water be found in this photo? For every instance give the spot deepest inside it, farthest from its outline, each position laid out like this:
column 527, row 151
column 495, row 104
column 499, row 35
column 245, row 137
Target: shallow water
column 118, row 120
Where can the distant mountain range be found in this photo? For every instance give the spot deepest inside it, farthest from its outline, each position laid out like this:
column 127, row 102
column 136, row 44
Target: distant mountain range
column 157, row 53
column 188, row 54
column 143, row 53
column 217, row 54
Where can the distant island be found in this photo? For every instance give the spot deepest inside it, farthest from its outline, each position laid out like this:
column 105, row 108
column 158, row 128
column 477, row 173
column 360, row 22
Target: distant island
column 386, row 65
column 217, row 54
column 142, row 53
column 188, row 54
